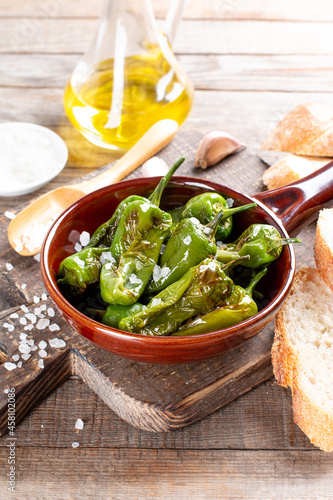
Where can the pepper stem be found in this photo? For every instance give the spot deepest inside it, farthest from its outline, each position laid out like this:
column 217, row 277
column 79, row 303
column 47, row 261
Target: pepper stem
column 214, row 224
column 282, row 241
column 230, row 265
column 255, row 280
column 232, row 211
column 155, row 197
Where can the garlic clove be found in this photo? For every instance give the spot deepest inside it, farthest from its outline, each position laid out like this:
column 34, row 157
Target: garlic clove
column 215, row 146
column 155, row 166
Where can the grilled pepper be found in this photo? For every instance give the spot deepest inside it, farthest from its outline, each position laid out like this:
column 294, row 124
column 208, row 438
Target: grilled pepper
column 189, row 244
column 261, row 242
column 136, row 246
column 198, row 291
column 114, row 314
column 237, row 307
column 81, row 269
column 205, row 207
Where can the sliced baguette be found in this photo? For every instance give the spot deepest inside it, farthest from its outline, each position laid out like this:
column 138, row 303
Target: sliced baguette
column 323, row 248
column 291, row 168
column 306, row 130
column 302, row 355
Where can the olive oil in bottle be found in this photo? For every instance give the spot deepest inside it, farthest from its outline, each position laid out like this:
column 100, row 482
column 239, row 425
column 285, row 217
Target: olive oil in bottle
column 118, row 101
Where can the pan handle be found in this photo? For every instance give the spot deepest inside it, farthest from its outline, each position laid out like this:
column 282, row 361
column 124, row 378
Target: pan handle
column 297, row 204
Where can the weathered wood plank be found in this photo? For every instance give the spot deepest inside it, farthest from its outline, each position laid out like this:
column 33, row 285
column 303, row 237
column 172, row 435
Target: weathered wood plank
column 261, row 419
column 69, row 474
column 207, row 72
column 300, row 10
column 51, row 35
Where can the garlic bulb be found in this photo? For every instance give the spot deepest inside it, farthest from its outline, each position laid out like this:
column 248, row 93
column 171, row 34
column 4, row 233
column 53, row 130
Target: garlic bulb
column 155, row 166
column 215, row 146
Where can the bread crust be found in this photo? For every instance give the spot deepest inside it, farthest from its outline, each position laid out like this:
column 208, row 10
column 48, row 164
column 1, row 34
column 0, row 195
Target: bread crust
column 315, row 421
column 306, row 130
column 323, row 256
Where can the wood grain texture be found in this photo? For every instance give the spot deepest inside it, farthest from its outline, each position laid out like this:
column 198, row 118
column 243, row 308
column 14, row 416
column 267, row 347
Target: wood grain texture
column 196, row 475
column 216, row 37
column 298, row 10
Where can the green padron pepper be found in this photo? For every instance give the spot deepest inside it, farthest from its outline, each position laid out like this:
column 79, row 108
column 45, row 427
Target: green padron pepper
column 136, row 246
column 114, row 314
column 81, row 269
column 205, row 207
column 261, row 242
column 189, row 244
column 200, row 290
column 237, row 307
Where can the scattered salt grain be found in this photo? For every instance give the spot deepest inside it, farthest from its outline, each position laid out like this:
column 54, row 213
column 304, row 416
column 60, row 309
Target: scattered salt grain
column 207, row 230
column 29, row 327
column 14, row 316
column 54, row 327
column 212, row 266
column 145, row 206
column 79, row 261
column 34, row 348
column 107, row 257
column 194, row 220
column 42, row 344
column 156, row 302
column 42, row 353
column 16, row 357
column 43, row 306
column 57, row 343
column 6, row 391
column 9, row 215
column 230, row 202
column 26, row 356
column 44, row 297
column 134, row 280
column 203, row 268
column 156, row 272
column 30, row 342
column 41, row 364
column 162, row 248
column 9, row 266
column 36, row 299
column 43, row 323
column 23, row 321
column 24, row 349
column 79, row 424
column 50, row 312
column 37, row 257
column 31, row 317
column 23, row 286
column 187, row 240
column 24, row 309
column 75, row 444
column 77, row 247
column 23, row 336
column 165, row 271
column 9, row 327
column 84, row 238
column 19, row 364
column 9, row 366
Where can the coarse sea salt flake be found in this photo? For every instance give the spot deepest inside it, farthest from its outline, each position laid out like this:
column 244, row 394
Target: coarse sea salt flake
column 6, row 391
column 30, row 342
column 165, row 271
column 29, row 327
column 34, row 348
column 57, row 343
column 42, row 353
column 26, row 356
column 187, row 240
column 37, row 257
column 44, row 297
column 23, row 321
column 107, row 257
column 50, row 312
column 75, row 444
column 9, row 366
column 212, row 266
column 23, row 286
column 134, row 280
column 19, row 364
column 16, row 357
column 79, row 424
column 156, row 302
column 24, row 309
column 84, row 238
column 9, row 215
column 77, row 247
column 9, row 327
column 24, row 349
column 156, row 272
column 54, row 327
column 31, row 317
column 36, row 299
column 23, row 336
column 41, row 363
column 9, row 266
column 42, row 344
column 14, row 316
column 43, row 306
column 42, row 323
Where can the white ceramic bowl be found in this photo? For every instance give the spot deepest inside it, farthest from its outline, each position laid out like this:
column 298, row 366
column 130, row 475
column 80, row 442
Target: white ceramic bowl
column 59, row 153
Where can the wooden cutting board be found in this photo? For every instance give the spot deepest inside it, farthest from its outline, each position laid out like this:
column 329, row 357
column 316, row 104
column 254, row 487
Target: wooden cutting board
column 151, row 397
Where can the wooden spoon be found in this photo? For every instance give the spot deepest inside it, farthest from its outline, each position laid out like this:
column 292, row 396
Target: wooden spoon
column 49, row 206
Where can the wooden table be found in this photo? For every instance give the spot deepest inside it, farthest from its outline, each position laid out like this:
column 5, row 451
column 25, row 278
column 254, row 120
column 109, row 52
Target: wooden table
column 250, row 62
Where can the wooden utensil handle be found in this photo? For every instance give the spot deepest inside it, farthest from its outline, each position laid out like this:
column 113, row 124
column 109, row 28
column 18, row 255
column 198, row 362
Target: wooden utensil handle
column 297, row 204
column 155, row 139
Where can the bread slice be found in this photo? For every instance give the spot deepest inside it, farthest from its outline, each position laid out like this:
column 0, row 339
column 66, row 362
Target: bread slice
column 302, row 355
column 306, row 130
column 291, row 168
column 323, row 248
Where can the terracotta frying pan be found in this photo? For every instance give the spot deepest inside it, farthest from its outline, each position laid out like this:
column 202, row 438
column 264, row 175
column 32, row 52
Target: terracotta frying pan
column 288, row 209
